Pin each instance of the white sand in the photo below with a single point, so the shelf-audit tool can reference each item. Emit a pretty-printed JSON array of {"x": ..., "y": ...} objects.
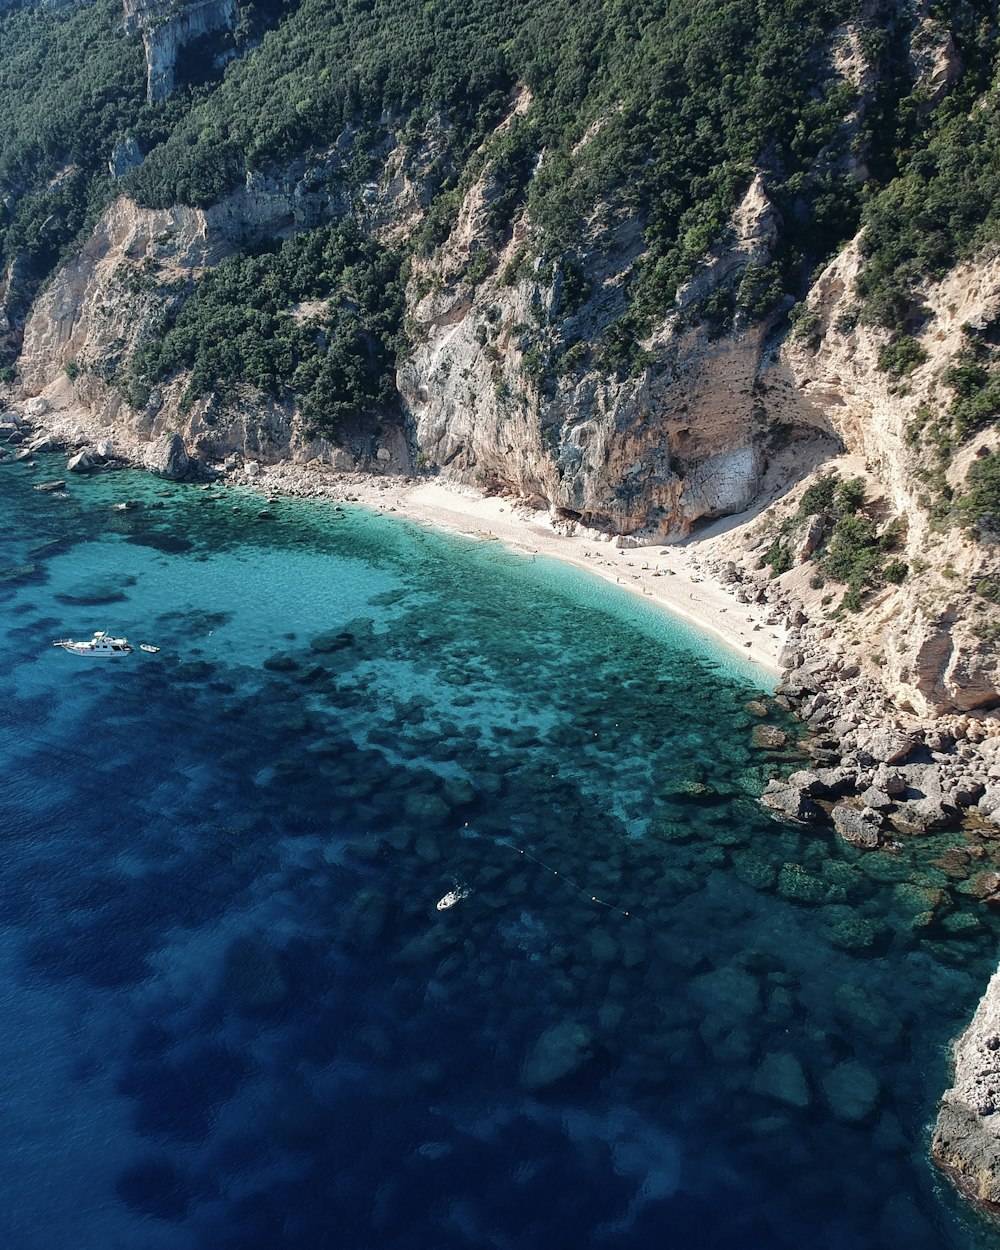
[{"x": 670, "y": 576}]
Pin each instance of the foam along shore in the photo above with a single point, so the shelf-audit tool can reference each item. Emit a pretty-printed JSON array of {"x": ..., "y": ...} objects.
[{"x": 676, "y": 577}]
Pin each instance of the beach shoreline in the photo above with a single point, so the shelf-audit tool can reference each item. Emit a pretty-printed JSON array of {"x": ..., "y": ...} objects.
[{"x": 672, "y": 577}]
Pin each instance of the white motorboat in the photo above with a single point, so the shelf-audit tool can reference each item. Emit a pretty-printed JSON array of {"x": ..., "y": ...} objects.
[
  {"x": 148, "y": 646},
  {"x": 101, "y": 646},
  {"x": 454, "y": 896}
]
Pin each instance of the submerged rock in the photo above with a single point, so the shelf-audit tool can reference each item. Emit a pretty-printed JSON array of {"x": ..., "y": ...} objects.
[
  {"x": 780, "y": 1076},
  {"x": 97, "y": 590},
  {"x": 769, "y": 737},
  {"x": 851, "y": 1091},
  {"x": 560, "y": 1051}
]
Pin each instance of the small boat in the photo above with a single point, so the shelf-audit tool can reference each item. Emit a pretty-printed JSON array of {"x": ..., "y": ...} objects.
[
  {"x": 101, "y": 646},
  {"x": 454, "y": 896},
  {"x": 145, "y": 646}
]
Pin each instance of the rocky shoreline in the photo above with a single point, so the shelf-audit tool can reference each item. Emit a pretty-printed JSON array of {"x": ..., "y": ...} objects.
[{"x": 875, "y": 772}]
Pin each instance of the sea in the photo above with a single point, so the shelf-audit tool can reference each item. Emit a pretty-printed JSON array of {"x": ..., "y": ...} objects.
[{"x": 233, "y": 1014}]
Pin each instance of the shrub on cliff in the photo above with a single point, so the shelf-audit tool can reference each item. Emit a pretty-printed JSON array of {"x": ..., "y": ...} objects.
[{"x": 979, "y": 506}]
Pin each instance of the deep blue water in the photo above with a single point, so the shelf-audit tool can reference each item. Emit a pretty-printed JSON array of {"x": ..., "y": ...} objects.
[{"x": 232, "y": 1016}]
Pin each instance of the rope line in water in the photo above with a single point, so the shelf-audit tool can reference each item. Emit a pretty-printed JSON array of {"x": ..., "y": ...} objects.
[
  {"x": 572, "y": 884},
  {"x": 593, "y": 898}
]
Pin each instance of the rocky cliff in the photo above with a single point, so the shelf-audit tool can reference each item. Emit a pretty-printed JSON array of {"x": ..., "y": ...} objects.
[{"x": 966, "y": 1141}]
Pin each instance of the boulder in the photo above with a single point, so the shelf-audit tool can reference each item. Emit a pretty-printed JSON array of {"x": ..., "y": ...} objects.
[
  {"x": 989, "y": 805},
  {"x": 858, "y": 826},
  {"x": 876, "y": 799},
  {"x": 834, "y": 783},
  {"x": 49, "y": 486},
  {"x": 82, "y": 462},
  {"x": 928, "y": 807},
  {"x": 167, "y": 457},
  {"x": 885, "y": 746},
  {"x": 808, "y": 782},
  {"x": 812, "y": 538},
  {"x": 888, "y": 780},
  {"x": 789, "y": 801}
]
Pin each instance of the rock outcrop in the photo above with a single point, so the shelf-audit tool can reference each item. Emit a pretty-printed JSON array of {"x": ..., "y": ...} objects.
[
  {"x": 966, "y": 1141},
  {"x": 167, "y": 27}
]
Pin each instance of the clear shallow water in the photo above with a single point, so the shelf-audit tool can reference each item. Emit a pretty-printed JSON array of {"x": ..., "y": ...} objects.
[{"x": 233, "y": 1016}]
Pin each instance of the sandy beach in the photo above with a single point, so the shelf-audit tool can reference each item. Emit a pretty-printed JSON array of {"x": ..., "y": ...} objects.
[{"x": 674, "y": 577}]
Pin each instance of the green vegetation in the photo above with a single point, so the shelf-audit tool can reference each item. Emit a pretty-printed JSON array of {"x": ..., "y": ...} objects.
[
  {"x": 974, "y": 378},
  {"x": 778, "y": 556},
  {"x": 989, "y": 588},
  {"x": 240, "y": 326},
  {"x": 944, "y": 200},
  {"x": 901, "y": 355},
  {"x": 979, "y": 506},
  {"x": 68, "y": 87},
  {"x": 855, "y": 548},
  {"x": 818, "y": 495},
  {"x": 852, "y": 548}
]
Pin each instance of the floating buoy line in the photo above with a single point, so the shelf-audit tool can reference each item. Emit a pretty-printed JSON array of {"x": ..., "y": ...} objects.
[{"x": 463, "y": 891}]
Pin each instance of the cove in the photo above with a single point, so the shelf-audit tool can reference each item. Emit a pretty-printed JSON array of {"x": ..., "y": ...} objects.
[{"x": 234, "y": 1016}]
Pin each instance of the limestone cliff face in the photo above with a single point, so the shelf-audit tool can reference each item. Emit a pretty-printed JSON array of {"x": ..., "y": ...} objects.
[
  {"x": 925, "y": 631},
  {"x": 167, "y": 28},
  {"x": 138, "y": 264},
  {"x": 649, "y": 455}
]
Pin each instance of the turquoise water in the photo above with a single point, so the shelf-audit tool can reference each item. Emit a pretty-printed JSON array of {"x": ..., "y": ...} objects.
[{"x": 235, "y": 1018}]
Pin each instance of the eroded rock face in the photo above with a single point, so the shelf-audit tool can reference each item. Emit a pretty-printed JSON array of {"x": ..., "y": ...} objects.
[
  {"x": 167, "y": 28},
  {"x": 966, "y": 1141}
]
